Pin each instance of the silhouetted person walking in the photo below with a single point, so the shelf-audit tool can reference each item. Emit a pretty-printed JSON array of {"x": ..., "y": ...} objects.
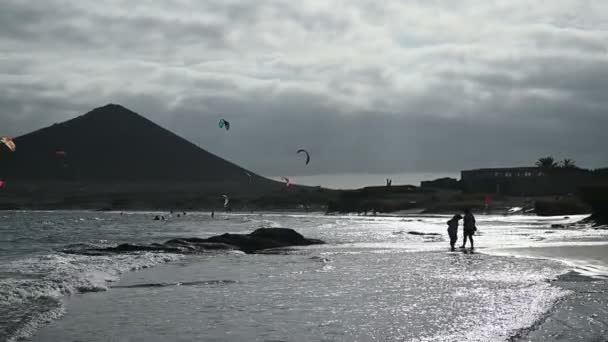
[
  {"x": 453, "y": 230},
  {"x": 469, "y": 228}
]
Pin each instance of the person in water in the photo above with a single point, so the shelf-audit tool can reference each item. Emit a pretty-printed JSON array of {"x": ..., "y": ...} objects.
[
  {"x": 453, "y": 230},
  {"x": 469, "y": 228}
]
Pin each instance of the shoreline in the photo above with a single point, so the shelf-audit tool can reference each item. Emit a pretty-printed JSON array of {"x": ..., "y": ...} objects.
[
  {"x": 585, "y": 303},
  {"x": 583, "y": 313},
  {"x": 590, "y": 258},
  {"x": 547, "y": 324}
]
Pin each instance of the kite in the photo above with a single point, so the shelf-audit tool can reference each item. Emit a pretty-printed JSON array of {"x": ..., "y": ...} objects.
[
  {"x": 226, "y": 201},
  {"x": 8, "y": 142},
  {"x": 61, "y": 153},
  {"x": 224, "y": 124},
  {"x": 1, "y": 184},
  {"x": 307, "y": 155},
  {"x": 287, "y": 182}
]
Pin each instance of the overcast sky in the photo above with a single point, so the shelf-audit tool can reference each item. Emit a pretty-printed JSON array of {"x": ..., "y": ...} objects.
[{"x": 366, "y": 86}]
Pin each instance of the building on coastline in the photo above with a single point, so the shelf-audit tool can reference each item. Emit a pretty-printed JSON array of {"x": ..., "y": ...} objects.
[
  {"x": 526, "y": 181},
  {"x": 442, "y": 183}
]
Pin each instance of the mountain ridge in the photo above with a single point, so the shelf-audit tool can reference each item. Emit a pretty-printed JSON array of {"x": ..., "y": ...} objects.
[{"x": 113, "y": 143}]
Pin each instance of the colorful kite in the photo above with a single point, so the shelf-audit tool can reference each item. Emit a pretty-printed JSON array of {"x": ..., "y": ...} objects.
[
  {"x": 224, "y": 124},
  {"x": 9, "y": 143}
]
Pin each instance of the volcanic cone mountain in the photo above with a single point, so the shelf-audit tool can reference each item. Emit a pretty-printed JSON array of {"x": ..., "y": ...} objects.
[{"x": 112, "y": 143}]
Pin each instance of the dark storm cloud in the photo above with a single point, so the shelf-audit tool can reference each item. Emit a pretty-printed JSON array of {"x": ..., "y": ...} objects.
[{"x": 364, "y": 86}]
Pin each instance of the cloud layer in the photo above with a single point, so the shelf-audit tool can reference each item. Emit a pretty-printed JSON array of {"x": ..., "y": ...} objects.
[{"x": 365, "y": 86}]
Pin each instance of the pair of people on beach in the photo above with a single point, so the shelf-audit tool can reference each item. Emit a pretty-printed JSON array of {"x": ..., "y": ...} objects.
[{"x": 468, "y": 231}]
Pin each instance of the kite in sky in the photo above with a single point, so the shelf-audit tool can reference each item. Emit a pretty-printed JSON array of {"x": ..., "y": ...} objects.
[
  {"x": 224, "y": 124},
  {"x": 307, "y": 155},
  {"x": 9, "y": 143}
]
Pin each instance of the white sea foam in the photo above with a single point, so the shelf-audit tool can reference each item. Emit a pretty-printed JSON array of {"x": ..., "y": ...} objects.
[
  {"x": 373, "y": 273},
  {"x": 55, "y": 275},
  {"x": 33, "y": 295}
]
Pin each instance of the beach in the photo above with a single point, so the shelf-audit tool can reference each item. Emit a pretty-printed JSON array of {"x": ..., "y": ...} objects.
[
  {"x": 583, "y": 314},
  {"x": 373, "y": 280}
]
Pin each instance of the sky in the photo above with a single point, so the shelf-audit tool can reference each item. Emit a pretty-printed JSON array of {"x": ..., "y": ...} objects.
[{"x": 368, "y": 87}]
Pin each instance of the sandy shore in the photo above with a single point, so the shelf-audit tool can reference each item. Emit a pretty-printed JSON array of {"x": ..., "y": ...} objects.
[
  {"x": 583, "y": 314},
  {"x": 588, "y": 259}
]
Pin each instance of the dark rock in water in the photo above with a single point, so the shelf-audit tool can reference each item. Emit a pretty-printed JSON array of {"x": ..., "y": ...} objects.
[
  {"x": 423, "y": 234},
  {"x": 320, "y": 259},
  {"x": 558, "y": 225},
  {"x": 198, "y": 245},
  {"x": 264, "y": 238},
  {"x": 261, "y": 239},
  {"x": 125, "y": 248}
]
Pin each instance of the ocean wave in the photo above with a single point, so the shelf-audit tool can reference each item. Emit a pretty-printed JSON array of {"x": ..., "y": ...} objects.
[
  {"x": 40, "y": 280},
  {"x": 26, "y": 319}
]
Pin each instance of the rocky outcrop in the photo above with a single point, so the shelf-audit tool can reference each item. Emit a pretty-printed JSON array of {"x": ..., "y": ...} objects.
[
  {"x": 560, "y": 207},
  {"x": 261, "y": 239},
  {"x": 264, "y": 238},
  {"x": 597, "y": 198}
]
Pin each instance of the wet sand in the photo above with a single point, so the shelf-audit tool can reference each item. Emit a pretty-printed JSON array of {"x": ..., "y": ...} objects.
[
  {"x": 580, "y": 316},
  {"x": 583, "y": 314},
  {"x": 587, "y": 259}
]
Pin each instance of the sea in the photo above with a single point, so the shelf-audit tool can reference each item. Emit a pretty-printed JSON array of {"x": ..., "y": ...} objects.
[{"x": 377, "y": 278}]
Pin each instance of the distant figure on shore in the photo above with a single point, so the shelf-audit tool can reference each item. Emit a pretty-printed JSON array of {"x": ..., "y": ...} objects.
[
  {"x": 469, "y": 228},
  {"x": 453, "y": 230},
  {"x": 212, "y": 214},
  {"x": 156, "y": 218}
]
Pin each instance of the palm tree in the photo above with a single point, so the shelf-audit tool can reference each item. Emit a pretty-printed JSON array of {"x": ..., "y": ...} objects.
[
  {"x": 568, "y": 164},
  {"x": 546, "y": 163}
]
